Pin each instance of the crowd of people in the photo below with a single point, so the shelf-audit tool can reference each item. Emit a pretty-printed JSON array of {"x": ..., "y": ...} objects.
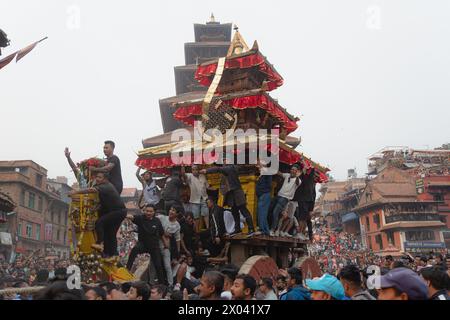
[
  {"x": 32, "y": 270},
  {"x": 334, "y": 250},
  {"x": 225, "y": 283},
  {"x": 187, "y": 239}
]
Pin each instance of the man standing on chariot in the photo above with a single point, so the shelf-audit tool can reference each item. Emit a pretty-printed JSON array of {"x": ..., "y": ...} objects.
[{"x": 111, "y": 214}]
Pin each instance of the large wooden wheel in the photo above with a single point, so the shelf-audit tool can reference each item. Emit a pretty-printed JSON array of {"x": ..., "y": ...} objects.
[
  {"x": 310, "y": 267},
  {"x": 260, "y": 266}
]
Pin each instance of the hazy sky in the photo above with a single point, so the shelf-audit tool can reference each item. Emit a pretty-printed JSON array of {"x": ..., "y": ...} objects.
[{"x": 361, "y": 74}]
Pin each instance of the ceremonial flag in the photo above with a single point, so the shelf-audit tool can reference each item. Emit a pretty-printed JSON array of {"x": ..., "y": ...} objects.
[
  {"x": 19, "y": 54},
  {"x": 23, "y": 52},
  {"x": 7, "y": 59}
]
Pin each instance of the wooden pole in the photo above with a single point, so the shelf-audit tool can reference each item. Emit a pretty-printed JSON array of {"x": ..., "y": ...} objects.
[{"x": 20, "y": 290}]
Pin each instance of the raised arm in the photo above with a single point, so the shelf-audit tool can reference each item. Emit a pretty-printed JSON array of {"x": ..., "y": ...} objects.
[
  {"x": 104, "y": 169},
  {"x": 71, "y": 163},
  {"x": 138, "y": 175}
]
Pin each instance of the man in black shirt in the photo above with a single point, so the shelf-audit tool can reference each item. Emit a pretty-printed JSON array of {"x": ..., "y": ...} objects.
[
  {"x": 171, "y": 193},
  {"x": 112, "y": 167},
  {"x": 149, "y": 232},
  {"x": 111, "y": 214},
  {"x": 305, "y": 195},
  {"x": 234, "y": 196},
  {"x": 187, "y": 233}
]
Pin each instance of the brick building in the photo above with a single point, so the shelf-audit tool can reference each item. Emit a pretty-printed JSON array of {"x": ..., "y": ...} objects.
[
  {"x": 38, "y": 207},
  {"x": 130, "y": 197},
  {"x": 336, "y": 203},
  {"x": 393, "y": 219},
  {"x": 7, "y": 206}
]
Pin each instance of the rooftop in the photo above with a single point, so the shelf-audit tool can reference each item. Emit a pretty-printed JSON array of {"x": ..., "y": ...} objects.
[{"x": 129, "y": 192}]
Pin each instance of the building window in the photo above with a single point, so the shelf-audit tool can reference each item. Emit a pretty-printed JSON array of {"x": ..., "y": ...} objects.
[
  {"x": 59, "y": 217},
  {"x": 19, "y": 229},
  {"x": 379, "y": 241},
  {"x": 65, "y": 236},
  {"x": 22, "y": 198},
  {"x": 29, "y": 230},
  {"x": 390, "y": 237},
  {"x": 57, "y": 235},
  {"x": 376, "y": 220},
  {"x": 31, "y": 198},
  {"x": 39, "y": 180},
  {"x": 438, "y": 197},
  {"x": 368, "y": 223},
  {"x": 38, "y": 232},
  {"x": 370, "y": 242},
  {"x": 40, "y": 204},
  {"x": 419, "y": 235}
]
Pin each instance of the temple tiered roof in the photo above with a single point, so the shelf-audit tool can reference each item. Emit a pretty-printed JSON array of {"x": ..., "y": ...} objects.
[{"x": 237, "y": 87}]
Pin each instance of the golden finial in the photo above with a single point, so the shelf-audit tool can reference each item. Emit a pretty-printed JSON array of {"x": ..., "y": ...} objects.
[
  {"x": 238, "y": 44},
  {"x": 212, "y": 19}
]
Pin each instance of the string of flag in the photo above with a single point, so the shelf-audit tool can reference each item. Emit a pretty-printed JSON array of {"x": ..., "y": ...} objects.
[{"x": 19, "y": 54}]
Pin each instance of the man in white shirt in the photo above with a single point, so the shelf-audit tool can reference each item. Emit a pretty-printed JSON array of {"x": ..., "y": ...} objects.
[
  {"x": 150, "y": 191},
  {"x": 171, "y": 235},
  {"x": 198, "y": 184},
  {"x": 290, "y": 184}
]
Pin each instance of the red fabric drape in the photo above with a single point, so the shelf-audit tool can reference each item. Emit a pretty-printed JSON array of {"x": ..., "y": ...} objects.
[
  {"x": 163, "y": 164},
  {"x": 204, "y": 72},
  {"x": 187, "y": 114}
]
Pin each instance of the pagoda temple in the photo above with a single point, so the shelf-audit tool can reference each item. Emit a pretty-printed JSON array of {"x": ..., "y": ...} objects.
[{"x": 225, "y": 85}]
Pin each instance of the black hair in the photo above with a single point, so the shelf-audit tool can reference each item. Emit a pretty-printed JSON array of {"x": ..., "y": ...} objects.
[
  {"x": 268, "y": 282},
  {"x": 149, "y": 205},
  {"x": 282, "y": 278},
  {"x": 389, "y": 257},
  {"x": 189, "y": 214},
  {"x": 111, "y": 143},
  {"x": 142, "y": 289},
  {"x": 424, "y": 259},
  {"x": 105, "y": 174},
  {"x": 230, "y": 271},
  {"x": 161, "y": 289},
  {"x": 59, "y": 291},
  {"x": 42, "y": 276},
  {"x": 439, "y": 278},
  {"x": 216, "y": 279},
  {"x": 248, "y": 281},
  {"x": 99, "y": 291},
  {"x": 108, "y": 286},
  {"x": 177, "y": 208},
  {"x": 296, "y": 274},
  {"x": 125, "y": 287},
  {"x": 176, "y": 295},
  {"x": 352, "y": 274}
]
